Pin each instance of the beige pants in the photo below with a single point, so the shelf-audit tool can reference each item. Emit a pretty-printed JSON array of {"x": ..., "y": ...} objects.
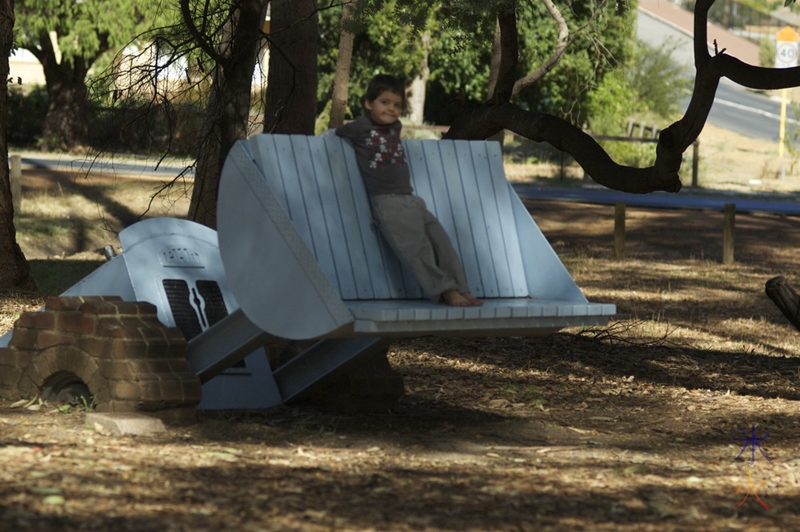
[{"x": 420, "y": 242}]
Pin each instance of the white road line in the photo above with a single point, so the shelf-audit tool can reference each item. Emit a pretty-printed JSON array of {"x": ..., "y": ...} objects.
[{"x": 741, "y": 107}]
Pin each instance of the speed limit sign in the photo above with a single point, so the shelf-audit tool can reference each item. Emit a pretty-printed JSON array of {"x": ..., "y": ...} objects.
[{"x": 786, "y": 48}]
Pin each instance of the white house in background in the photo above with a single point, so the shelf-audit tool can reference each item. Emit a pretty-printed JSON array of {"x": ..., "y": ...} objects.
[{"x": 25, "y": 68}]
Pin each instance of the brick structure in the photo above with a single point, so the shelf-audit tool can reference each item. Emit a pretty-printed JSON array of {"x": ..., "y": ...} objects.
[
  {"x": 367, "y": 384},
  {"x": 120, "y": 350}
]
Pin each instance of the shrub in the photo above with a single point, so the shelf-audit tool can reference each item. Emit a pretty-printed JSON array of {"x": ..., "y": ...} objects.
[{"x": 26, "y": 112}]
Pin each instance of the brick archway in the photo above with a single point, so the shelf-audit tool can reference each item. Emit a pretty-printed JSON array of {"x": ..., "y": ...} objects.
[
  {"x": 120, "y": 350},
  {"x": 61, "y": 359}
]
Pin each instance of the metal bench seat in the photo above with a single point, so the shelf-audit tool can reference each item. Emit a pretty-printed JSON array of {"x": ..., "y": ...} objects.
[{"x": 304, "y": 260}]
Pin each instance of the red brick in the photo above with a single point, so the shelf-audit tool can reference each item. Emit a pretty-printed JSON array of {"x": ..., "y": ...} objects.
[
  {"x": 157, "y": 365},
  {"x": 23, "y": 338},
  {"x": 126, "y": 390},
  {"x": 9, "y": 377},
  {"x": 120, "y": 308},
  {"x": 81, "y": 364},
  {"x": 142, "y": 309},
  {"x": 12, "y": 356},
  {"x": 103, "y": 305},
  {"x": 174, "y": 390},
  {"x": 43, "y": 367},
  {"x": 99, "y": 307},
  {"x": 151, "y": 389},
  {"x": 180, "y": 366},
  {"x": 150, "y": 332},
  {"x": 112, "y": 329},
  {"x": 31, "y": 378},
  {"x": 174, "y": 335},
  {"x": 27, "y": 387},
  {"x": 97, "y": 383},
  {"x": 47, "y": 339},
  {"x": 58, "y": 359},
  {"x": 130, "y": 350},
  {"x": 115, "y": 405},
  {"x": 93, "y": 346},
  {"x": 116, "y": 369},
  {"x": 71, "y": 360},
  {"x": 90, "y": 372},
  {"x": 63, "y": 303},
  {"x": 36, "y": 320},
  {"x": 157, "y": 350},
  {"x": 151, "y": 405},
  {"x": 76, "y": 322}
]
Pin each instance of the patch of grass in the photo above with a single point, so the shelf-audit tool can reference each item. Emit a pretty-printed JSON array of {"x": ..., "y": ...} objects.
[
  {"x": 46, "y": 227},
  {"x": 55, "y": 276}
]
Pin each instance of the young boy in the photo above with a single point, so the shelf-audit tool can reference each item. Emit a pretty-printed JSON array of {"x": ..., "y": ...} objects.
[{"x": 413, "y": 233}]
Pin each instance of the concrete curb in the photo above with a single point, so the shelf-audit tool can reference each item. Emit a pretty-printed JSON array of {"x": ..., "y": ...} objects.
[{"x": 125, "y": 423}]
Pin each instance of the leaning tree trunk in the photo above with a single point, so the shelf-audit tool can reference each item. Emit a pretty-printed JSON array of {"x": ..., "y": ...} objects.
[
  {"x": 14, "y": 269},
  {"x": 342, "y": 77},
  {"x": 228, "y": 111},
  {"x": 785, "y": 298},
  {"x": 291, "y": 99},
  {"x": 416, "y": 93}
]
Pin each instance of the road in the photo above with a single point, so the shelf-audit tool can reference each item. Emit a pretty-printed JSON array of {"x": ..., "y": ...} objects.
[
  {"x": 750, "y": 113},
  {"x": 126, "y": 166}
]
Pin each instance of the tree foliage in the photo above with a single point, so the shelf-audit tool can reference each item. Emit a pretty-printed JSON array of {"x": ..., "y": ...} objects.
[
  {"x": 462, "y": 33},
  {"x": 601, "y": 40},
  {"x": 68, "y": 38}
]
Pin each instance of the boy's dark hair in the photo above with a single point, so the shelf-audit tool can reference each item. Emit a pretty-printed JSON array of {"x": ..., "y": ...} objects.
[{"x": 382, "y": 83}]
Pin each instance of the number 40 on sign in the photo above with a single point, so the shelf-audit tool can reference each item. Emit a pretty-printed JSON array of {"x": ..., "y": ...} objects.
[{"x": 785, "y": 57}]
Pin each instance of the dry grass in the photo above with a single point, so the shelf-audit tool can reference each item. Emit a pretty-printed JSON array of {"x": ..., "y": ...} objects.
[{"x": 626, "y": 428}]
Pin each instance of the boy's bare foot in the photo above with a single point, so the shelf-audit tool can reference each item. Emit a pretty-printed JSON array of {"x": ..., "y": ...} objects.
[
  {"x": 454, "y": 299},
  {"x": 473, "y": 301}
]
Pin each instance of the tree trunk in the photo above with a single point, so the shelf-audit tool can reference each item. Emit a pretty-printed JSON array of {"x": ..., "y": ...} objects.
[
  {"x": 509, "y": 54},
  {"x": 64, "y": 125},
  {"x": 291, "y": 98},
  {"x": 340, "y": 82},
  {"x": 494, "y": 64},
  {"x": 14, "y": 269},
  {"x": 416, "y": 93},
  {"x": 228, "y": 110}
]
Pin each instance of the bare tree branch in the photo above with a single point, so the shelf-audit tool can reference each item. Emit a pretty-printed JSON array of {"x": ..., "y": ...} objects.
[
  {"x": 199, "y": 35},
  {"x": 509, "y": 56},
  {"x": 487, "y": 120},
  {"x": 673, "y": 141},
  {"x": 552, "y": 61}
]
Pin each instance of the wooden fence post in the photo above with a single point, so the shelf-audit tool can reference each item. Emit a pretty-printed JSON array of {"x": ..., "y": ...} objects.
[
  {"x": 695, "y": 162},
  {"x": 16, "y": 183},
  {"x": 619, "y": 230},
  {"x": 727, "y": 235}
]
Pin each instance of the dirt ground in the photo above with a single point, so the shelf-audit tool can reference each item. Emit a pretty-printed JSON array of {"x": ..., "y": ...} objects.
[{"x": 650, "y": 423}]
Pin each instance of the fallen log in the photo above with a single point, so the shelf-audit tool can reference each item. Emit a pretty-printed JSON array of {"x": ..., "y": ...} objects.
[{"x": 785, "y": 298}]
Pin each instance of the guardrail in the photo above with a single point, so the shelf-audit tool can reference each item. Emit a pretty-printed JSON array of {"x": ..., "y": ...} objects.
[{"x": 729, "y": 211}]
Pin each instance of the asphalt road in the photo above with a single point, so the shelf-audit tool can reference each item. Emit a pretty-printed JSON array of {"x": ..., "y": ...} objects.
[
  {"x": 150, "y": 166},
  {"x": 749, "y": 113}
]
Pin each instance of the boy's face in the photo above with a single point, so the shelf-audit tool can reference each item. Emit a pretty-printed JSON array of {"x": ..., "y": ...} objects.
[{"x": 386, "y": 108}]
